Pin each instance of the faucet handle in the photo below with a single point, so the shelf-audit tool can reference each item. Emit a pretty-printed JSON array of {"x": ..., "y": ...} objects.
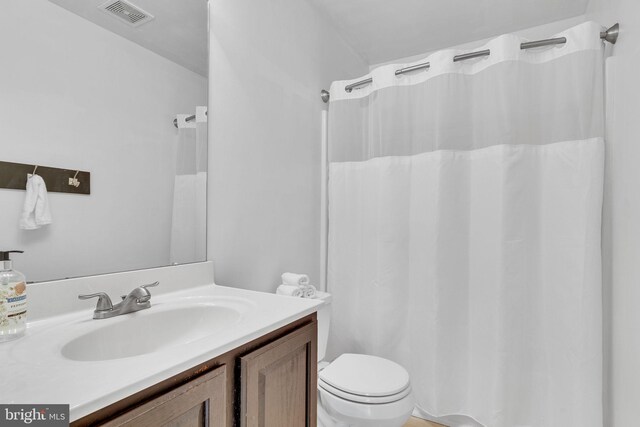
[
  {"x": 150, "y": 285},
  {"x": 104, "y": 302},
  {"x": 147, "y": 297}
]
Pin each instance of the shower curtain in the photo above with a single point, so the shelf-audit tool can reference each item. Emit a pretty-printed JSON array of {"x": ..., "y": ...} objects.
[
  {"x": 188, "y": 225},
  {"x": 464, "y": 229}
]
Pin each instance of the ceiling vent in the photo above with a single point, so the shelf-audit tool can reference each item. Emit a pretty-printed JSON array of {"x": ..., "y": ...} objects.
[{"x": 127, "y": 12}]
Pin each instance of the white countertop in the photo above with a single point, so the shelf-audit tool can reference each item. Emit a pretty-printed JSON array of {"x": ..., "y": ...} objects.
[{"x": 34, "y": 370}]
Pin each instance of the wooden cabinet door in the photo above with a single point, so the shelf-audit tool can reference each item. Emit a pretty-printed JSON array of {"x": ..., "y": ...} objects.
[
  {"x": 199, "y": 403},
  {"x": 278, "y": 382}
]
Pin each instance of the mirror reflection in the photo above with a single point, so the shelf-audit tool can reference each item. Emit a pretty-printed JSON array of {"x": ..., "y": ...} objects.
[{"x": 118, "y": 90}]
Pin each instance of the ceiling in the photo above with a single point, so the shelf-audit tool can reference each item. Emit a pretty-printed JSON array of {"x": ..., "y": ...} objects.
[
  {"x": 378, "y": 30},
  {"x": 384, "y": 30},
  {"x": 178, "y": 32}
]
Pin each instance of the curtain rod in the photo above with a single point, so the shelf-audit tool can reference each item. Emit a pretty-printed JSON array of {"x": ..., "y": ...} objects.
[
  {"x": 188, "y": 119},
  {"x": 610, "y": 35}
]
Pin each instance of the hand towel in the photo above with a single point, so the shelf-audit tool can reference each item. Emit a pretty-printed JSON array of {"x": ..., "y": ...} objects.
[
  {"x": 295, "y": 279},
  {"x": 308, "y": 291},
  {"x": 289, "y": 290},
  {"x": 35, "y": 212}
]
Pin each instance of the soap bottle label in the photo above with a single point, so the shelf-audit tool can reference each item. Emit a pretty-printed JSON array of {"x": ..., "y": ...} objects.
[{"x": 13, "y": 304}]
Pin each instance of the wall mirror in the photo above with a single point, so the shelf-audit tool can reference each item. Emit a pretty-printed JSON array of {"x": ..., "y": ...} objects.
[{"x": 118, "y": 89}]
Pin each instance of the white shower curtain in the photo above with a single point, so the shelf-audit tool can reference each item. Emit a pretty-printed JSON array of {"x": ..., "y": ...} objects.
[
  {"x": 188, "y": 225},
  {"x": 464, "y": 229}
]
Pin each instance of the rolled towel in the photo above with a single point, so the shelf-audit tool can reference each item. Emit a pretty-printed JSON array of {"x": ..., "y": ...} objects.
[
  {"x": 295, "y": 279},
  {"x": 289, "y": 290},
  {"x": 308, "y": 291}
]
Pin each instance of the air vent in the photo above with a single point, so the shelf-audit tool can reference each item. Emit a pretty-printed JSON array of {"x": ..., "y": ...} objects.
[{"x": 126, "y": 12}]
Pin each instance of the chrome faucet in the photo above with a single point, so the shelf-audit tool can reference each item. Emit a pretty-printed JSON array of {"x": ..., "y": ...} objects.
[{"x": 138, "y": 299}]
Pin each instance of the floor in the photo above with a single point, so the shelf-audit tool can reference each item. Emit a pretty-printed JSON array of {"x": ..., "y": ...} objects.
[{"x": 417, "y": 422}]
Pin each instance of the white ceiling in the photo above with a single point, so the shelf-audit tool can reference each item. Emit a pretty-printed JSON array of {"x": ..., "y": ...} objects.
[
  {"x": 384, "y": 30},
  {"x": 378, "y": 30},
  {"x": 178, "y": 32}
]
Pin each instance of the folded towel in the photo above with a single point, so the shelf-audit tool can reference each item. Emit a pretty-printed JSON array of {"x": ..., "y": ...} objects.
[
  {"x": 308, "y": 291},
  {"x": 295, "y": 279},
  {"x": 289, "y": 290},
  {"x": 35, "y": 212}
]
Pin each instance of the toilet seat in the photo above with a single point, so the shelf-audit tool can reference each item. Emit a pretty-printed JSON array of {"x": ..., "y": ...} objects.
[
  {"x": 365, "y": 379},
  {"x": 357, "y": 398}
]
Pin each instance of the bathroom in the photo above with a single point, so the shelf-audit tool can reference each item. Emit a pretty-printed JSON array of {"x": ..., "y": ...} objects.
[{"x": 459, "y": 195}]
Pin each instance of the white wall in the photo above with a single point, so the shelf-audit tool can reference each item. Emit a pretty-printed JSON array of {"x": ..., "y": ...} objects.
[
  {"x": 621, "y": 236},
  {"x": 269, "y": 61},
  {"x": 75, "y": 96}
]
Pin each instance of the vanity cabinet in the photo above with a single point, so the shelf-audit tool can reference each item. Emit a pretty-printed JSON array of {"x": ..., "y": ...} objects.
[{"x": 268, "y": 382}]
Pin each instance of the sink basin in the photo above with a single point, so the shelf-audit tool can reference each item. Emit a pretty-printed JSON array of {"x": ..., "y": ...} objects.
[{"x": 150, "y": 331}]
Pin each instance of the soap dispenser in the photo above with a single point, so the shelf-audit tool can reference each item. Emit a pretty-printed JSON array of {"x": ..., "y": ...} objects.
[{"x": 13, "y": 299}]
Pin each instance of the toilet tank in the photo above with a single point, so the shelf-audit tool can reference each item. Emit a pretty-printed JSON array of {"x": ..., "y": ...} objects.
[{"x": 324, "y": 319}]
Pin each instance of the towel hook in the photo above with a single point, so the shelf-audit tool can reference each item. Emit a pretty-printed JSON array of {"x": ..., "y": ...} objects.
[
  {"x": 74, "y": 181},
  {"x": 34, "y": 170}
]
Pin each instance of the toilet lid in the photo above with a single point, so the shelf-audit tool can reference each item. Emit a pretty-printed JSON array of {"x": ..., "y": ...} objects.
[{"x": 365, "y": 375}]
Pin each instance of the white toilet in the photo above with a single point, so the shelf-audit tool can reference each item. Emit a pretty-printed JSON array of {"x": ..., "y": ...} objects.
[{"x": 357, "y": 389}]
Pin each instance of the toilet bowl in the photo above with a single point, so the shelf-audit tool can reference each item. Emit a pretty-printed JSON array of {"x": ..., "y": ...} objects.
[{"x": 359, "y": 390}]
